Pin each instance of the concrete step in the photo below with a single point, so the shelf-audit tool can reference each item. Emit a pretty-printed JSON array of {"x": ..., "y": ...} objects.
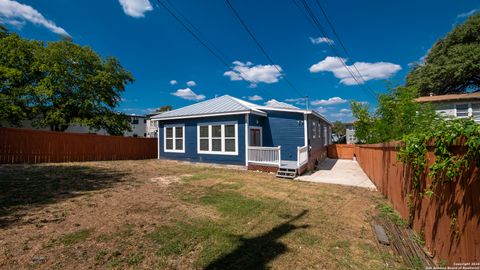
[{"x": 287, "y": 173}]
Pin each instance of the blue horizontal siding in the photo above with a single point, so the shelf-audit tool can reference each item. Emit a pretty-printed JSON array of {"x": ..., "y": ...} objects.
[
  {"x": 191, "y": 141},
  {"x": 284, "y": 129},
  {"x": 317, "y": 142}
]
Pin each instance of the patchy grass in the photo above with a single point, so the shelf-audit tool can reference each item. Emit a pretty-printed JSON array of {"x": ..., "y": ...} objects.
[
  {"x": 233, "y": 204},
  {"x": 170, "y": 215},
  {"x": 387, "y": 211},
  {"x": 75, "y": 237}
]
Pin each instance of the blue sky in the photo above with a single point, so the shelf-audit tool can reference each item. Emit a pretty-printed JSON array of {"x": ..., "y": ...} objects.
[{"x": 171, "y": 67}]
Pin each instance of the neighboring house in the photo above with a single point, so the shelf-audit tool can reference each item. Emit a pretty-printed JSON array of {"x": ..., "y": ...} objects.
[
  {"x": 280, "y": 138},
  {"x": 350, "y": 133},
  {"x": 152, "y": 126},
  {"x": 455, "y": 105},
  {"x": 137, "y": 122}
]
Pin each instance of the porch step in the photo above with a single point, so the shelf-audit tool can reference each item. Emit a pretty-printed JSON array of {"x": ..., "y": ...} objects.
[{"x": 287, "y": 173}]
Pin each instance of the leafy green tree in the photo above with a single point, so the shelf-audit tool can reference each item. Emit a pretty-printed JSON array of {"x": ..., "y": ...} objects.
[
  {"x": 452, "y": 64},
  {"x": 339, "y": 128},
  {"x": 164, "y": 108},
  {"x": 78, "y": 86},
  {"x": 397, "y": 114},
  {"x": 17, "y": 76}
]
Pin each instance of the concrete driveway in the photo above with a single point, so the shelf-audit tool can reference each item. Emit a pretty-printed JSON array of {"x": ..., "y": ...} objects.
[{"x": 341, "y": 172}]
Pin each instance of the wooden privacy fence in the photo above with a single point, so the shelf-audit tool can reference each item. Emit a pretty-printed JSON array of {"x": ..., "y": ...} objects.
[
  {"x": 449, "y": 221},
  {"x": 33, "y": 146},
  {"x": 340, "y": 151}
]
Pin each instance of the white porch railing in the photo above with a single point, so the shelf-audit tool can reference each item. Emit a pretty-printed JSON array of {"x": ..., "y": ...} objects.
[
  {"x": 264, "y": 155},
  {"x": 302, "y": 155}
]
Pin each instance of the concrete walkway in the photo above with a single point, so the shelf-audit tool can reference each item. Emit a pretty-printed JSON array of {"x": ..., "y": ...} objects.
[{"x": 341, "y": 172}]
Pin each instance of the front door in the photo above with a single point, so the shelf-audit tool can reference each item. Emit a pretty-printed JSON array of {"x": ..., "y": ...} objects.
[{"x": 255, "y": 136}]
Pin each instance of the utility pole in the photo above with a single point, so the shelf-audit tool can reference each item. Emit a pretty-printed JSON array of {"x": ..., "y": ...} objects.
[{"x": 306, "y": 102}]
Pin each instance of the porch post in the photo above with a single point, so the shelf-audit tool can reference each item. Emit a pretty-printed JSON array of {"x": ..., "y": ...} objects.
[
  {"x": 305, "y": 129},
  {"x": 246, "y": 138},
  {"x": 279, "y": 156}
]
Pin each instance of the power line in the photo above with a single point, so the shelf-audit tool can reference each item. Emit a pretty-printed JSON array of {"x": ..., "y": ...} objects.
[
  {"x": 313, "y": 18},
  {"x": 340, "y": 41},
  {"x": 242, "y": 22},
  {"x": 204, "y": 43}
]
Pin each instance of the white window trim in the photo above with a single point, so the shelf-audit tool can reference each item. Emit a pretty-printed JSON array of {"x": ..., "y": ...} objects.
[
  {"x": 261, "y": 134},
  {"x": 174, "y": 139},
  {"x": 222, "y": 152}
]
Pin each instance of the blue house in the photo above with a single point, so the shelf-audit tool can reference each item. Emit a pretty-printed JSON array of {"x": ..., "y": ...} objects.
[{"x": 277, "y": 138}]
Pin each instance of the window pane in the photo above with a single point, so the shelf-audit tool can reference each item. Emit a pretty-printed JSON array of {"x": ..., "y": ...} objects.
[
  {"x": 179, "y": 144},
  {"x": 229, "y": 145},
  {"x": 203, "y": 144},
  {"x": 204, "y": 131},
  {"x": 217, "y": 131},
  {"x": 462, "y": 110},
  {"x": 169, "y": 132},
  {"x": 178, "y": 132},
  {"x": 216, "y": 145},
  {"x": 229, "y": 130},
  {"x": 169, "y": 144}
]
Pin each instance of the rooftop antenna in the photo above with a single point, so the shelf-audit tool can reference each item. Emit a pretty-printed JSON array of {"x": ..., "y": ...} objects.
[{"x": 306, "y": 102}]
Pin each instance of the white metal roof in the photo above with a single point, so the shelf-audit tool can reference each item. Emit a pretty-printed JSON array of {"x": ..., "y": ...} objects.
[{"x": 228, "y": 105}]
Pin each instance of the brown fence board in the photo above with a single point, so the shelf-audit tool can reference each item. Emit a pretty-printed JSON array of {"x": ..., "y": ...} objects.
[
  {"x": 340, "y": 151},
  {"x": 449, "y": 220},
  {"x": 34, "y": 146}
]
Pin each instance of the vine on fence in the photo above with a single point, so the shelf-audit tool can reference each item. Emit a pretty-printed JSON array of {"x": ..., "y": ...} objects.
[{"x": 448, "y": 164}]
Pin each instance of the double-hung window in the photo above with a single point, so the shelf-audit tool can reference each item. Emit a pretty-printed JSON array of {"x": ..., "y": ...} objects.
[
  {"x": 325, "y": 135},
  {"x": 462, "y": 110},
  {"x": 174, "y": 138},
  {"x": 314, "y": 129},
  {"x": 218, "y": 138}
]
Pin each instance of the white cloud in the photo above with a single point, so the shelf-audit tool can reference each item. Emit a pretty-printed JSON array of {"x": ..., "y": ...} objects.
[
  {"x": 16, "y": 14},
  {"x": 467, "y": 14},
  {"x": 330, "y": 101},
  {"x": 191, "y": 83},
  {"x": 298, "y": 101},
  {"x": 254, "y": 74},
  {"x": 188, "y": 94},
  {"x": 173, "y": 82},
  {"x": 321, "y": 109},
  {"x": 369, "y": 71},
  {"x": 345, "y": 110},
  {"x": 320, "y": 40},
  {"x": 136, "y": 8},
  {"x": 255, "y": 98}
]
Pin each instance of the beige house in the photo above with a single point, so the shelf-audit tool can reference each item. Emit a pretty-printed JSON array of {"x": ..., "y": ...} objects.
[{"x": 455, "y": 105}]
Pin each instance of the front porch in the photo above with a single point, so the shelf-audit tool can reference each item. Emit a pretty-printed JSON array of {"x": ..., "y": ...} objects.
[{"x": 270, "y": 159}]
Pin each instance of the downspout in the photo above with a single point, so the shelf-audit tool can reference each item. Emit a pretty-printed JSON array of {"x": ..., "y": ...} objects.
[
  {"x": 158, "y": 139},
  {"x": 247, "y": 119}
]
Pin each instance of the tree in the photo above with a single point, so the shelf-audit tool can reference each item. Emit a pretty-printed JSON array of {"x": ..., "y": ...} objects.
[
  {"x": 78, "y": 86},
  {"x": 17, "y": 76},
  {"x": 164, "y": 108},
  {"x": 453, "y": 64},
  {"x": 339, "y": 128},
  {"x": 397, "y": 115}
]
